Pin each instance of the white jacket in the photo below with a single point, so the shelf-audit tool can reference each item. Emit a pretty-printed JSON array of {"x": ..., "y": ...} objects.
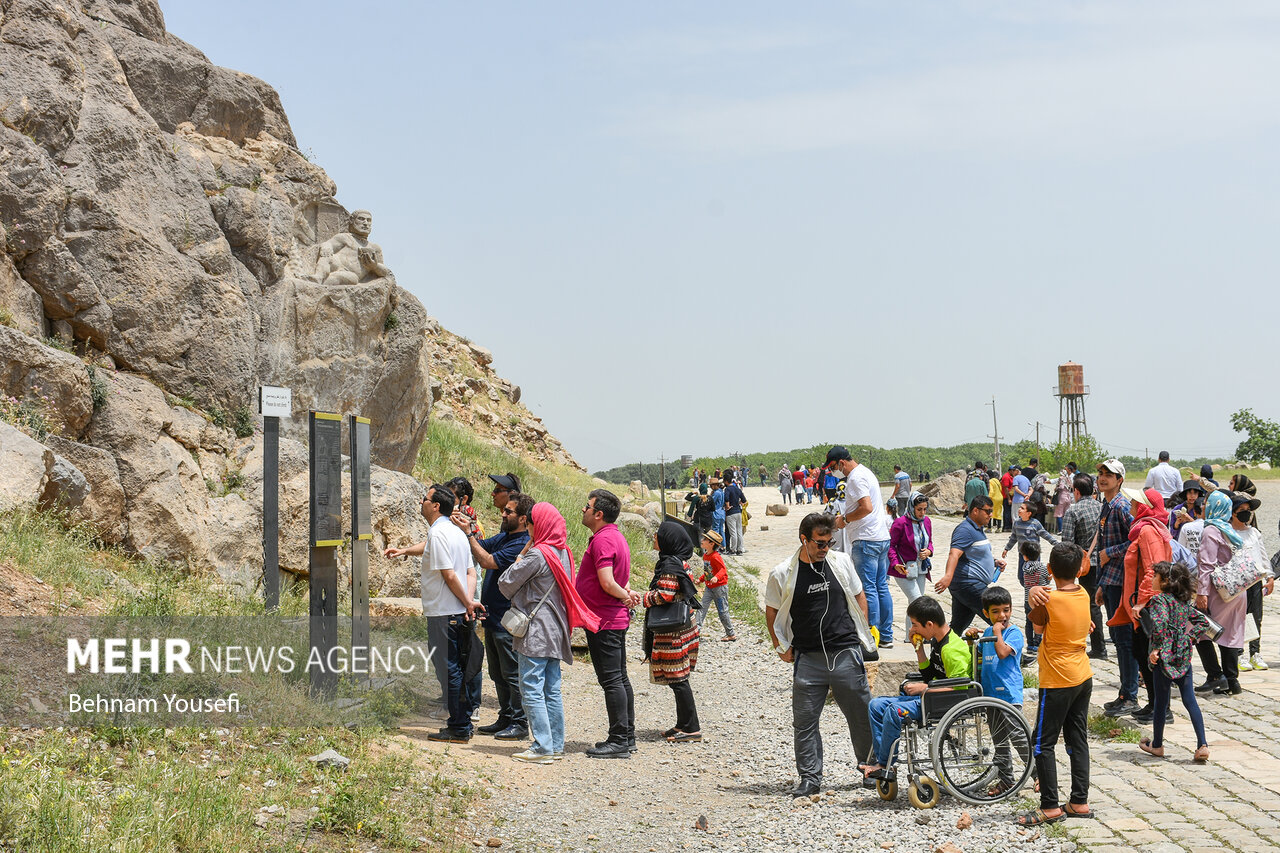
[{"x": 781, "y": 586}]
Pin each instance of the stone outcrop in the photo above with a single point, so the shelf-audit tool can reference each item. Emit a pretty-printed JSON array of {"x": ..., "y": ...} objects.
[
  {"x": 165, "y": 249},
  {"x": 946, "y": 494},
  {"x": 467, "y": 390},
  {"x": 157, "y": 207}
]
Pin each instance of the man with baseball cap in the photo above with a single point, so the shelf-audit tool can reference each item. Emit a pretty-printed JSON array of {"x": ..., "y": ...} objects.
[
  {"x": 1110, "y": 546},
  {"x": 866, "y": 527}
]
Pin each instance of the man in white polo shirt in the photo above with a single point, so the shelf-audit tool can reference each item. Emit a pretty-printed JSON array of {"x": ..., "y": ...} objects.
[
  {"x": 866, "y": 528},
  {"x": 448, "y": 603},
  {"x": 1164, "y": 478}
]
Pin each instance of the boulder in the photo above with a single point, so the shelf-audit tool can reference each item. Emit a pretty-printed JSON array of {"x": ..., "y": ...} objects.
[
  {"x": 103, "y": 507},
  {"x": 776, "y": 509},
  {"x": 390, "y": 612},
  {"x": 638, "y": 489},
  {"x": 24, "y": 468},
  {"x": 481, "y": 355},
  {"x": 945, "y": 494},
  {"x": 629, "y": 521},
  {"x": 56, "y": 382}
]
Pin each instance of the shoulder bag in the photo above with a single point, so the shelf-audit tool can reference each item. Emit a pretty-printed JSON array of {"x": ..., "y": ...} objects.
[
  {"x": 676, "y": 615},
  {"x": 516, "y": 621},
  {"x": 1239, "y": 573}
]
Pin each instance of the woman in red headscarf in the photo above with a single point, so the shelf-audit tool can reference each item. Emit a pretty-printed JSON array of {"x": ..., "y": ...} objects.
[
  {"x": 1148, "y": 545},
  {"x": 540, "y": 584}
]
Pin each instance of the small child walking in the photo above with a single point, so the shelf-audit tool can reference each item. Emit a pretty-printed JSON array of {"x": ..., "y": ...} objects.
[
  {"x": 716, "y": 579},
  {"x": 1026, "y": 529},
  {"x": 1066, "y": 683},
  {"x": 1174, "y": 626},
  {"x": 1033, "y": 573}
]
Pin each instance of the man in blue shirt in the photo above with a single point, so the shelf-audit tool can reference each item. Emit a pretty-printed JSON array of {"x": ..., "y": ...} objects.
[
  {"x": 1021, "y": 490},
  {"x": 971, "y": 565},
  {"x": 495, "y": 555}
]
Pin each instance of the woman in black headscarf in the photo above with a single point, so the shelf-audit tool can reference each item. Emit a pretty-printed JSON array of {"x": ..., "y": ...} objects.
[
  {"x": 673, "y": 654},
  {"x": 1253, "y": 595}
]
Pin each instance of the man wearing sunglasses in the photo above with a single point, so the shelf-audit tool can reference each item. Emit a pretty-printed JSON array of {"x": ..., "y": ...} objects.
[{"x": 816, "y": 613}]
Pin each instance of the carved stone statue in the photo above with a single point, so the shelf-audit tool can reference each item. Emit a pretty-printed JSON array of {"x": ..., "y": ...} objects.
[{"x": 348, "y": 257}]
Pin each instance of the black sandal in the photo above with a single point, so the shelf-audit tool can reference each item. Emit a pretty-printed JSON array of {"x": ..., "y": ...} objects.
[{"x": 1036, "y": 817}]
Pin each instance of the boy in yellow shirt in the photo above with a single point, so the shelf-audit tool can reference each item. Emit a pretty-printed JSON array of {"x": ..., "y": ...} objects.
[{"x": 1066, "y": 682}]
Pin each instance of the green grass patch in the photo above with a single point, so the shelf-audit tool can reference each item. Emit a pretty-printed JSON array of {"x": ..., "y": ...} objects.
[
  {"x": 1030, "y": 679},
  {"x": 744, "y": 603},
  {"x": 1112, "y": 729},
  {"x": 198, "y": 790}
]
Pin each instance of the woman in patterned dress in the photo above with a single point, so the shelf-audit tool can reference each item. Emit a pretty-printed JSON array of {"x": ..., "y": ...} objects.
[{"x": 672, "y": 656}]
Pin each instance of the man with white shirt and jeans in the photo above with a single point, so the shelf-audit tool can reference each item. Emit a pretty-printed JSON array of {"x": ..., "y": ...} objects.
[
  {"x": 448, "y": 599},
  {"x": 866, "y": 527},
  {"x": 1164, "y": 478},
  {"x": 815, "y": 611}
]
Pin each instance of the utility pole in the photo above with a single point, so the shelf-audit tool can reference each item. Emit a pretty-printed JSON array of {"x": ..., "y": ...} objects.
[
  {"x": 1037, "y": 425},
  {"x": 995, "y": 436},
  {"x": 662, "y": 484}
]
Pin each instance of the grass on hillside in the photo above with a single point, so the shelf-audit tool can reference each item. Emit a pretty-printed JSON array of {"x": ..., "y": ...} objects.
[
  {"x": 452, "y": 450},
  {"x": 199, "y": 788}
]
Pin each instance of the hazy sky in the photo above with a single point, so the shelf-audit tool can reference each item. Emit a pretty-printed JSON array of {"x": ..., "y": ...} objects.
[{"x": 714, "y": 227}]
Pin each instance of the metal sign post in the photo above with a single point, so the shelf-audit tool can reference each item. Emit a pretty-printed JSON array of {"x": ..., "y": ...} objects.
[
  {"x": 361, "y": 533},
  {"x": 325, "y": 446},
  {"x": 273, "y": 404}
]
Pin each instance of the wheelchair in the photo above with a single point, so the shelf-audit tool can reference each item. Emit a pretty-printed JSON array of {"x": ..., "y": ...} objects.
[{"x": 975, "y": 748}]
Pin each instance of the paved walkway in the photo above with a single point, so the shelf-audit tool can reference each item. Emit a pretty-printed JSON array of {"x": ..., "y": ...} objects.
[{"x": 1143, "y": 803}]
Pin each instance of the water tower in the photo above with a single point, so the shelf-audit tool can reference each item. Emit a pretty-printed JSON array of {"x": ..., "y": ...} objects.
[{"x": 1071, "y": 392}]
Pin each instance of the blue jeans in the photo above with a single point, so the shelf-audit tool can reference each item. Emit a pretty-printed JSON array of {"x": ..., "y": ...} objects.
[
  {"x": 462, "y": 698},
  {"x": 871, "y": 559},
  {"x": 540, "y": 692},
  {"x": 1122, "y": 636},
  {"x": 886, "y": 722}
]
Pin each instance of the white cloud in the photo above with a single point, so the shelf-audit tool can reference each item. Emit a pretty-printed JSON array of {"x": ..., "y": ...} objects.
[{"x": 1096, "y": 100}]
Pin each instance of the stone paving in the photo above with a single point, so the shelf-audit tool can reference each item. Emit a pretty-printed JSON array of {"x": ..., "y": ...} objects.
[
  {"x": 1146, "y": 803},
  {"x": 1170, "y": 804}
]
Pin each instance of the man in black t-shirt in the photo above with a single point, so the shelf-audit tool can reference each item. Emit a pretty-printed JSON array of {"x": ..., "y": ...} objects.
[{"x": 816, "y": 613}]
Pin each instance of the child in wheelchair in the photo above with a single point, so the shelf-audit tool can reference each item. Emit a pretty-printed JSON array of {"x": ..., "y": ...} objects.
[{"x": 950, "y": 658}]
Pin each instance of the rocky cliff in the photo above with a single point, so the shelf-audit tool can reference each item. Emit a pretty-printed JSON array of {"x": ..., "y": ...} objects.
[{"x": 166, "y": 250}]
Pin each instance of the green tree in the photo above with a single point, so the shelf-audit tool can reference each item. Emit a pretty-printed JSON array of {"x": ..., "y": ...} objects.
[{"x": 1263, "y": 442}]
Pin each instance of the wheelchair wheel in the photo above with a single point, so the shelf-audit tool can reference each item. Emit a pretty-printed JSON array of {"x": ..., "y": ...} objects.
[
  {"x": 924, "y": 793},
  {"x": 887, "y": 790},
  {"x": 981, "y": 751}
]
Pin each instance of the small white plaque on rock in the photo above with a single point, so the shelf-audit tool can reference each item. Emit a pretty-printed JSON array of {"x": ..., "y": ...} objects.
[{"x": 275, "y": 402}]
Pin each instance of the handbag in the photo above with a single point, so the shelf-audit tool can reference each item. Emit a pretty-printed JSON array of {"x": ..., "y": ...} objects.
[
  {"x": 516, "y": 621},
  {"x": 1239, "y": 573},
  {"x": 675, "y": 615}
]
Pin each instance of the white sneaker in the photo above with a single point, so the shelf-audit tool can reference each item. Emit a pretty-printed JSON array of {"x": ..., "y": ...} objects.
[
  {"x": 1258, "y": 663},
  {"x": 1245, "y": 665},
  {"x": 531, "y": 757}
]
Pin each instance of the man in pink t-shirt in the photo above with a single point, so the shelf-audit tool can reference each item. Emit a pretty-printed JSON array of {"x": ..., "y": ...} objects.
[{"x": 602, "y": 582}]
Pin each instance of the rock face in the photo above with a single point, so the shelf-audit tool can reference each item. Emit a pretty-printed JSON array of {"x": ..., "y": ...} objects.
[
  {"x": 157, "y": 208},
  {"x": 165, "y": 249}
]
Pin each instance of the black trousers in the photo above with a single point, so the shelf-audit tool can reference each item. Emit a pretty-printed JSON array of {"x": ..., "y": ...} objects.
[
  {"x": 1008, "y": 515},
  {"x": 1097, "y": 645},
  {"x": 1141, "y": 653},
  {"x": 686, "y": 710},
  {"x": 504, "y": 672},
  {"x": 608, "y": 650},
  {"x": 1063, "y": 711},
  {"x": 1230, "y": 666},
  {"x": 1253, "y": 601}
]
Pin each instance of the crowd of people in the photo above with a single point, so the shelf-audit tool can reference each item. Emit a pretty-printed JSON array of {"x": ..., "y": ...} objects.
[
  {"x": 532, "y": 598},
  {"x": 1174, "y": 568}
]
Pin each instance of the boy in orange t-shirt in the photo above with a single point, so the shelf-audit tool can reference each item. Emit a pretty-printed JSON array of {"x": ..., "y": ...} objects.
[{"x": 1066, "y": 683}]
